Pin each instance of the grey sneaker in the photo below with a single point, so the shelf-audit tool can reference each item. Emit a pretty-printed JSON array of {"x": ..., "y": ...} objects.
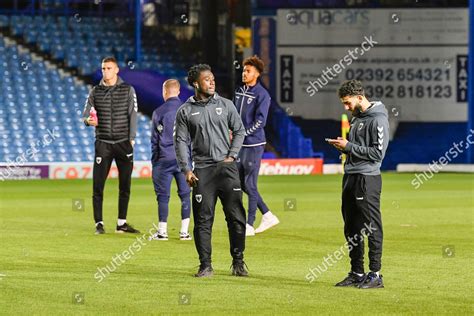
[
  {"x": 204, "y": 271},
  {"x": 239, "y": 268}
]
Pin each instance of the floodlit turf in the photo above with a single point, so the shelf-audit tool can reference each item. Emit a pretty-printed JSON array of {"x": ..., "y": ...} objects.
[{"x": 49, "y": 254}]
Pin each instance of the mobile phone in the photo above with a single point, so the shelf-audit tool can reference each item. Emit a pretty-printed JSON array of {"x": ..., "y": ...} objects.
[{"x": 327, "y": 139}]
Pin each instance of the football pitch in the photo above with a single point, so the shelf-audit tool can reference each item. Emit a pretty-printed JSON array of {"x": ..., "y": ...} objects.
[{"x": 50, "y": 256}]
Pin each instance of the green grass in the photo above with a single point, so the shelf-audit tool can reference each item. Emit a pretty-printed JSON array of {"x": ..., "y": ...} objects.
[{"x": 49, "y": 252}]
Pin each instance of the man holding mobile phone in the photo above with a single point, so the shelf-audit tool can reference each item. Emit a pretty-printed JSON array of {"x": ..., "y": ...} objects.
[
  {"x": 206, "y": 119},
  {"x": 113, "y": 104},
  {"x": 362, "y": 183}
]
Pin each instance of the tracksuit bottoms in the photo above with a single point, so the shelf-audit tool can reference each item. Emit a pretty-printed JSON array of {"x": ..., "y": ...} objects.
[
  {"x": 361, "y": 214},
  {"x": 249, "y": 167},
  {"x": 163, "y": 173},
  {"x": 220, "y": 180},
  {"x": 105, "y": 153}
]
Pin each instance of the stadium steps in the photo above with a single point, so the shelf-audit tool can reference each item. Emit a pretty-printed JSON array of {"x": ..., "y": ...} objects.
[
  {"x": 318, "y": 130},
  {"x": 38, "y": 97},
  {"x": 77, "y": 44},
  {"x": 50, "y": 62},
  {"x": 423, "y": 143}
]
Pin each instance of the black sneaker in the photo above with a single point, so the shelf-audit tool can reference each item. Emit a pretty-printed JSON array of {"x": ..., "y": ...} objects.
[
  {"x": 99, "y": 229},
  {"x": 372, "y": 281},
  {"x": 204, "y": 271},
  {"x": 239, "y": 268},
  {"x": 352, "y": 279},
  {"x": 126, "y": 228}
]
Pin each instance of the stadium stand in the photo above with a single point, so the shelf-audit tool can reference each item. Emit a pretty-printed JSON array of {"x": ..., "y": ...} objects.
[
  {"x": 75, "y": 44},
  {"x": 46, "y": 98},
  {"x": 76, "y": 41},
  {"x": 53, "y": 49}
]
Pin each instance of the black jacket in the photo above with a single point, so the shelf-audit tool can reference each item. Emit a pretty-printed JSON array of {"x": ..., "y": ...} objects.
[{"x": 116, "y": 108}]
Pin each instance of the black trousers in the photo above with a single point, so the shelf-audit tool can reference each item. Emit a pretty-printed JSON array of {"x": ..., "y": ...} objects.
[
  {"x": 104, "y": 155},
  {"x": 361, "y": 213},
  {"x": 220, "y": 180}
]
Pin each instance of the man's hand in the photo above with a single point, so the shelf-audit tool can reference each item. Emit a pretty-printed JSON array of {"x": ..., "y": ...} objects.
[
  {"x": 91, "y": 121},
  {"x": 339, "y": 143},
  {"x": 229, "y": 159},
  {"x": 132, "y": 142},
  {"x": 191, "y": 178}
]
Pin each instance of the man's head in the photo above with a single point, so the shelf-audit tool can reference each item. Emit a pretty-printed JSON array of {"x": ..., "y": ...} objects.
[
  {"x": 110, "y": 69},
  {"x": 200, "y": 77},
  {"x": 253, "y": 67},
  {"x": 352, "y": 95},
  {"x": 170, "y": 89}
]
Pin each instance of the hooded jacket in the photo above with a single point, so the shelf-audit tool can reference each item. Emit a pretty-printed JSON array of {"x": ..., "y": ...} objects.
[{"x": 367, "y": 141}]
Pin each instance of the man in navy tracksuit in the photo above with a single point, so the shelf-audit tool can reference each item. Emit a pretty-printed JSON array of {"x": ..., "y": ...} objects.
[
  {"x": 253, "y": 102},
  {"x": 165, "y": 166}
]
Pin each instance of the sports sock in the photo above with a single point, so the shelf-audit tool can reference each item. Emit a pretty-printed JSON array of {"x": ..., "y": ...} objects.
[
  {"x": 120, "y": 222},
  {"x": 184, "y": 225},
  {"x": 162, "y": 227}
]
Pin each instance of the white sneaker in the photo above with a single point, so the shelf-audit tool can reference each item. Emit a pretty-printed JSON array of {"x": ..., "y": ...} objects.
[
  {"x": 184, "y": 236},
  {"x": 249, "y": 230},
  {"x": 158, "y": 236},
  {"x": 268, "y": 220}
]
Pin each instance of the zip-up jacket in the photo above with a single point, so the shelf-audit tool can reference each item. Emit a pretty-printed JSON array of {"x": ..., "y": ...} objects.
[
  {"x": 367, "y": 141},
  {"x": 162, "y": 130},
  {"x": 116, "y": 108},
  {"x": 207, "y": 123},
  {"x": 253, "y": 104}
]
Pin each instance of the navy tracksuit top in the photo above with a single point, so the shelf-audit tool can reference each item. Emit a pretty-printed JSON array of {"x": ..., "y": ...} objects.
[
  {"x": 163, "y": 117},
  {"x": 253, "y": 104}
]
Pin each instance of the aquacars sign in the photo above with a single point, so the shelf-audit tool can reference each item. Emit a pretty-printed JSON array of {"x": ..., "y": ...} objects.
[
  {"x": 308, "y": 166},
  {"x": 416, "y": 65},
  {"x": 313, "y": 18}
]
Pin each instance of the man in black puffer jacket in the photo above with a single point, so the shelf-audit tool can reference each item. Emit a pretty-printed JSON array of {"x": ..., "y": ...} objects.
[{"x": 112, "y": 108}]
